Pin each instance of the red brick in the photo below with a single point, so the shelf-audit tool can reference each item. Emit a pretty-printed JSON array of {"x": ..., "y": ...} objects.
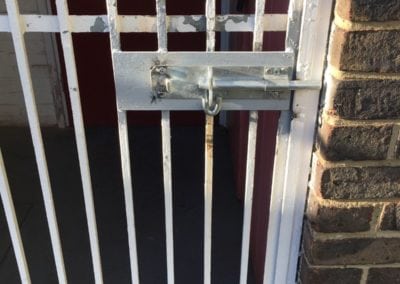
[
  {"x": 366, "y": 99},
  {"x": 368, "y": 10},
  {"x": 390, "y": 217},
  {"x": 358, "y": 51},
  {"x": 319, "y": 275},
  {"x": 346, "y": 251},
  {"x": 384, "y": 275},
  {"x": 349, "y": 183},
  {"x": 354, "y": 142},
  {"x": 330, "y": 218}
]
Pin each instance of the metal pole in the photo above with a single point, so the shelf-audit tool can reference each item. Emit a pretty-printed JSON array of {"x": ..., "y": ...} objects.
[
  {"x": 17, "y": 32},
  {"x": 13, "y": 226}
]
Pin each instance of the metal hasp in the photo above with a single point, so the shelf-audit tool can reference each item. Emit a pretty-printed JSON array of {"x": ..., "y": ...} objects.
[
  {"x": 240, "y": 83},
  {"x": 181, "y": 81}
]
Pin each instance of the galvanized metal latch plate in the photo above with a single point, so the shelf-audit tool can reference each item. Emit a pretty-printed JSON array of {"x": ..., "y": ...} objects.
[
  {"x": 178, "y": 80},
  {"x": 170, "y": 82}
]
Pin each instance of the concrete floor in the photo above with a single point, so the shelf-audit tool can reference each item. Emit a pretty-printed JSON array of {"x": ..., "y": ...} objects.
[{"x": 110, "y": 212}]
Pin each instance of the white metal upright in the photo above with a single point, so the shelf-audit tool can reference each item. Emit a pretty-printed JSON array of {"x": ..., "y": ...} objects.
[
  {"x": 13, "y": 225},
  {"x": 166, "y": 149},
  {"x": 282, "y": 138},
  {"x": 80, "y": 136},
  {"x": 258, "y": 36},
  {"x": 310, "y": 64},
  {"x": 209, "y": 151},
  {"x": 17, "y": 32},
  {"x": 112, "y": 14}
]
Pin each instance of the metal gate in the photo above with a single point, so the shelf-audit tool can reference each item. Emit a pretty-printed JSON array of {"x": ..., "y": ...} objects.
[{"x": 288, "y": 81}]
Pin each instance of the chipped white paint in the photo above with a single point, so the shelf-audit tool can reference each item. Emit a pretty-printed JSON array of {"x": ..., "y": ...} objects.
[
  {"x": 146, "y": 24},
  {"x": 136, "y": 24},
  {"x": 176, "y": 24}
]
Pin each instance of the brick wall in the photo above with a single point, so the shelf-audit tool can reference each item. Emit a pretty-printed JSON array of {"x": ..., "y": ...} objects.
[{"x": 352, "y": 226}]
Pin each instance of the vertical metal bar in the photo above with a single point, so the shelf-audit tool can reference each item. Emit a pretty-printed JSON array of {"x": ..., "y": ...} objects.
[
  {"x": 210, "y": 16},
  {"x": 276, "y": 197},
  {"x": 127, "y": 181},
  {"x": 275, "y": 210},
  {"x": 295, "y": 11},
  {"x": 17, "y": 32},
  {"x": 73, "y": 86},
  {"x": 258, "y": 35},
  {"x": 248, "y": 199},
  {"x": 208, "y": 181},
  {"x": 12, "y": 223},
  {"x": 112, "y": 15},
  {"x": 161, "y": 25},
  {"x": 310, "y": 64},
  {"x": 166, "y": 149},
  {"x": 208, "y": 152}
]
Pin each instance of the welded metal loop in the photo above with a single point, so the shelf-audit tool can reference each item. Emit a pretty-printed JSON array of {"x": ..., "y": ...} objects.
[{"x": 211, "y": 105}]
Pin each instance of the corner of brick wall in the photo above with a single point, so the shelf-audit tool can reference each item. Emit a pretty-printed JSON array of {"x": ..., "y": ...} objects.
[{"x": 352, "y": 223}]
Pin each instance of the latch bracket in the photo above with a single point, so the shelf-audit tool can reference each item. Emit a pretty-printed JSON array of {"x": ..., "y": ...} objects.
[{"x": 179, "y": 80}]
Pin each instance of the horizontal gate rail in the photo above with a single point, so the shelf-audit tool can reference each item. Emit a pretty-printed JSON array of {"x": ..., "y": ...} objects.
[{"x": 145, "y": 24}]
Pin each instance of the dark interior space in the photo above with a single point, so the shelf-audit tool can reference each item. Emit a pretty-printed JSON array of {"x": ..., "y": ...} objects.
[{"x": 188, "y": 160}]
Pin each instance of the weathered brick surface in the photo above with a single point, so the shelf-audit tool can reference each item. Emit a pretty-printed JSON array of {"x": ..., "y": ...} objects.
[
  {"x": 368, "y": 10},
  {"x": 398, "y": 150},
  {"x": 330, "y": 218},
  {"x": 361, "y": 142},
  {"x": 312, "y": 275},
  {"x": 358, "y": 51},
  {"x": 348, "y": 251},
  {"x": 366, "y": 99},
  {"x": 390, "y": 217},
  {"x": 383, "y": 276},
  {"x": 348, "y": 183}
]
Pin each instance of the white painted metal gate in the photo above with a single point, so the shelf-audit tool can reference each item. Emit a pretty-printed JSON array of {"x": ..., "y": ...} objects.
[{"x": 207, "y": 80}]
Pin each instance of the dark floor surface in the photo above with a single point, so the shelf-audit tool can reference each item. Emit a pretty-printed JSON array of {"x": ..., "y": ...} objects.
[{"x": 188, "y": 160}]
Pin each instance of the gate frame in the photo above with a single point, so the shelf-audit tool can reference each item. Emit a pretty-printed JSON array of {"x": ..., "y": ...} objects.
[{"x": 295, "y": 133}]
